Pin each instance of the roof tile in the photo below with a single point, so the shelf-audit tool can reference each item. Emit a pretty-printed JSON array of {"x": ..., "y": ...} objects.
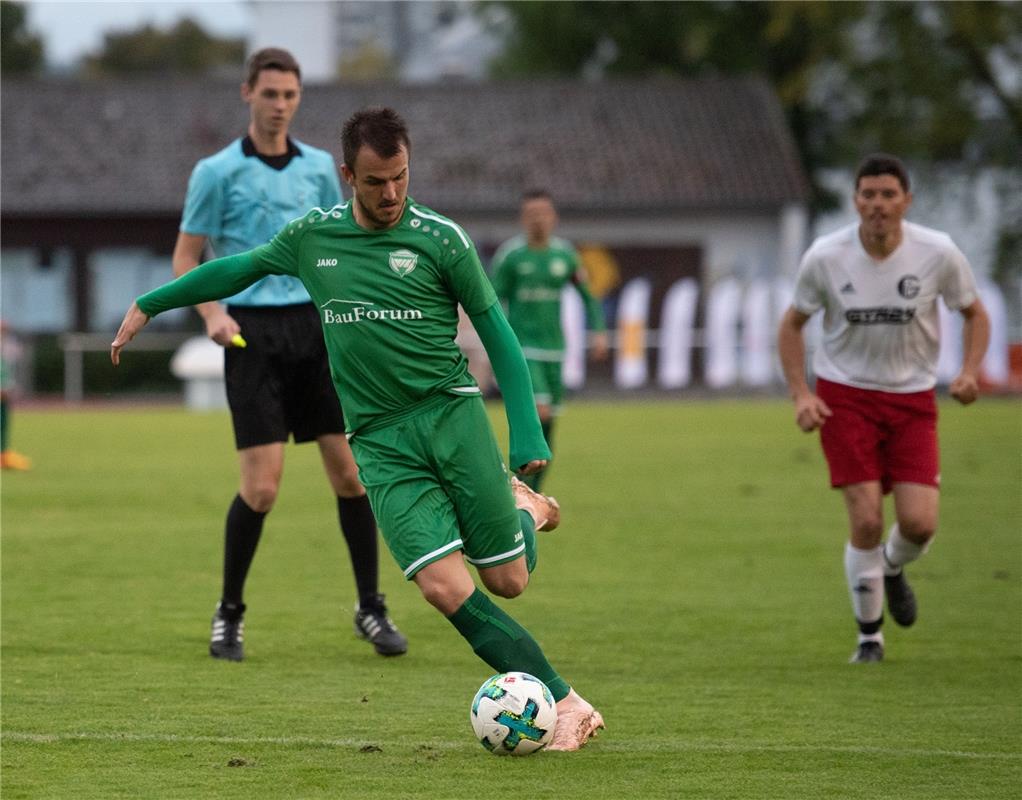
[{"x": 622, "y": 145}]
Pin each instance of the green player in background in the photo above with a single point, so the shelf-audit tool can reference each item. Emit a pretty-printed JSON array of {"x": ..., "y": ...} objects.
[
  {"x": 529, "y": 273},
  {"x": 386, "y": 275}
]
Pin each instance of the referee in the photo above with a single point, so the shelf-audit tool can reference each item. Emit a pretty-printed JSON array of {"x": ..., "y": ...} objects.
[{"x": 277, "y": 374}]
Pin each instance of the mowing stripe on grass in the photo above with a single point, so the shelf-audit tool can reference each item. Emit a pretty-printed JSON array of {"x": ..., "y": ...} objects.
[{"x": 634, "y": 745}]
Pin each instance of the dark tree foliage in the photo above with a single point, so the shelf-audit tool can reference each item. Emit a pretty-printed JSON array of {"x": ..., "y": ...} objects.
[
  {"x": 927, "y": 80},
  {"x": 20, "y": 51},
  {"x": 184, "y": 49}
]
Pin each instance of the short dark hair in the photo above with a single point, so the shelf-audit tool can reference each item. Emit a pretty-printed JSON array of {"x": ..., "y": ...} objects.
[
  {"x": 270, "y": 58},
  {"x": 882, "y": 164},
  {"x": 536, "y": 194},
  {"x": 379, "y": 128}
]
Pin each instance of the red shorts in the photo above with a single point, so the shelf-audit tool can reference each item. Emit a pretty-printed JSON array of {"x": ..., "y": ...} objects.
[{"x": 879, "y": 436}]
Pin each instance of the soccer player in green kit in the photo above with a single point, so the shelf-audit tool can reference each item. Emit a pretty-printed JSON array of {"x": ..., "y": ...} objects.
[
  {"x": 387, "y": 275},
  {"x": 529, "y": 273}
]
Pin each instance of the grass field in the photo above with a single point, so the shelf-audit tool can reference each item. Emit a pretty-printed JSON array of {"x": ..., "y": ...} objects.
[{"x": 694, "y": 593}]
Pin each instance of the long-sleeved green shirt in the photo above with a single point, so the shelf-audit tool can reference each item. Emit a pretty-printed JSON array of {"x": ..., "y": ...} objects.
[{"x": 388, "y": 302}]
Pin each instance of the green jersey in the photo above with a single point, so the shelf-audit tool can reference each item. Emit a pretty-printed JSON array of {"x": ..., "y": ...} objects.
[
  {"x": 387, "y": 299},
  {"x": 530, "y": 281}
]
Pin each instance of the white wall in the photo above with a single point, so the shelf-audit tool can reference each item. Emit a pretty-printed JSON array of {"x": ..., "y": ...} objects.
[{"x": 741, "y": 245}]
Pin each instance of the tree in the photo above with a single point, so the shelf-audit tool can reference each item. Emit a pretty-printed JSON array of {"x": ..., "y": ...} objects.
[
  {"x": 369, "y": 62},
  {"x": 932, "y": 81},
  {"x": 184, "y": 49},
  {"x": 924, "y": 79},
  {"x": 20, "y": 51}
]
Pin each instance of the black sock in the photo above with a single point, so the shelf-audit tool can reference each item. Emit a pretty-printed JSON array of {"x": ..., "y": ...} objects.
[
  {"x": 241, "y": 537},
  {"x": 231, "y": 611},
  {"x": 359, "y": 528}
]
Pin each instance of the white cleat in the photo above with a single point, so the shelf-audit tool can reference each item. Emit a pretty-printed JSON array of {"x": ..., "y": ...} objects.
[
  {"x": 577, "y": 723},
  {"x": 545, "y": 512}
]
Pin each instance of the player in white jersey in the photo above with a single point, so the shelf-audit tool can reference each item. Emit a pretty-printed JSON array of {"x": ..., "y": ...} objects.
[{"x": 877, "y": 283}]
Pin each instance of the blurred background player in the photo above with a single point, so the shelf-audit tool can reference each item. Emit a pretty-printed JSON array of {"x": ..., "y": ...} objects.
[
  {"x": 416, "y": 418},
  {"x": 877, "y": 283},
  {"x": 10, "y": 352},
  {"x": 279, "y": 384},
  {"x": 529, "y": 272}
]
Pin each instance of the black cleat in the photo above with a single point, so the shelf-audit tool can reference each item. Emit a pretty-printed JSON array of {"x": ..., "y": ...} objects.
[
  {"x": 901, "y": 600},
  {"x": 868, "y": 652},
  {"x": 226, "y": 640},
  {"x": 373, "y": 625}
]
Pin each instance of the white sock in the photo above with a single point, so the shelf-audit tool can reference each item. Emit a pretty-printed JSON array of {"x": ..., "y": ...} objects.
[
  {"x": 865, "y": 572},
  {"x": 872, "y": 637},
  {"x": 899, "y": 551}
]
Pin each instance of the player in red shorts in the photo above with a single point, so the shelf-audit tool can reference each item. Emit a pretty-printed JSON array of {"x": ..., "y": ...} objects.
[{"x": 877, "y": 283}]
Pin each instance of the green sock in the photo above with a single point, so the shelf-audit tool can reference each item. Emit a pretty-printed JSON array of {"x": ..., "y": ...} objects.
[
  {"x": 504, "y": 644},
  {"x": 529, "y": 531}
]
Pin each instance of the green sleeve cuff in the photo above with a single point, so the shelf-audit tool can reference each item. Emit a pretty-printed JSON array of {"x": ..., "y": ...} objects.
[{"x": 525, "y": 433}]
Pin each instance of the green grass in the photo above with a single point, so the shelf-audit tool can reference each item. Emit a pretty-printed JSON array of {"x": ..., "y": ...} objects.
[{"x": 695, "y": 593}]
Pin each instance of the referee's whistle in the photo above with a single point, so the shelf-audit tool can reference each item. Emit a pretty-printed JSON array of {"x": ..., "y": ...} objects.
[{"x": 238, "y": 341}]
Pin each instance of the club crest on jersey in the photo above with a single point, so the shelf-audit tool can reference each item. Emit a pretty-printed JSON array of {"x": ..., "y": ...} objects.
[
  {"x": 558, "y": 268},
  {"x": 908, "y": 287},
  {"x": 403, "y": 261}
]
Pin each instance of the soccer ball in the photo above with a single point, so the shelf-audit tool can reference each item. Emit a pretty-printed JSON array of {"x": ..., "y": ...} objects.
[{"x": 513, "y": 714}]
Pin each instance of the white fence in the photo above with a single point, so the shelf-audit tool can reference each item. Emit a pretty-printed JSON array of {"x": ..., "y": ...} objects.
[{"x": 738, "y": 340}]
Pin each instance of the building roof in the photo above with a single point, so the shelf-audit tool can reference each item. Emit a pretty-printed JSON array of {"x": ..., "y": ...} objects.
[{"x": 101, "y": 147}]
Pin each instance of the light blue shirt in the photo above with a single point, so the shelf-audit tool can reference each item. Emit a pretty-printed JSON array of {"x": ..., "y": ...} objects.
[{"x": 238, "y": 202}]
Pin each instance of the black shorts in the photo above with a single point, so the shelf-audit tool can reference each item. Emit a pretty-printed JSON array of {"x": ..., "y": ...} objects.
[{"x": 279, "y": 385}]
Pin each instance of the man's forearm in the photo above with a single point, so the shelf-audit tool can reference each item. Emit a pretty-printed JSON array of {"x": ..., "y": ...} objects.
[
  {"x": 975, "y": 339},
  {"x": 791, "y": 350},
  {"x": 594, "y": 312}
]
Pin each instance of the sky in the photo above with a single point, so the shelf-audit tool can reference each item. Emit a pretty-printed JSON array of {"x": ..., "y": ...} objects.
[{"x": 72, "y": 29}]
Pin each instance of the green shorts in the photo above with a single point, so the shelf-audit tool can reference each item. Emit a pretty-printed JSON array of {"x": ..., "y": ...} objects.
[
  {"x": 547, "y": 382},
  {"x": 437, "y": 483}
]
